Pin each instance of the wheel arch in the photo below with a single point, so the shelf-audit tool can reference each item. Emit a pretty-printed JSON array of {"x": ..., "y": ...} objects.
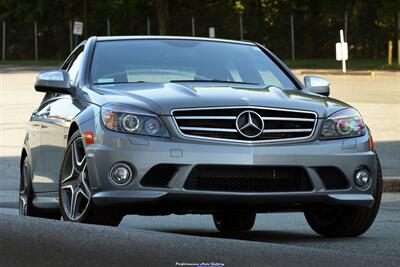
[
  {"x": 72, "y": 129},
  {"x": 24, "y": 154}
]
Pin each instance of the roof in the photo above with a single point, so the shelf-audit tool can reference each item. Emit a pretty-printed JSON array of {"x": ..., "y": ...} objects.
[{"x": 159, "y": 37}]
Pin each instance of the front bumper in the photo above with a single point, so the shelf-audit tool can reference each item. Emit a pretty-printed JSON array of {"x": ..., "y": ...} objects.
[
  {"x": 196, "y": 202},
  {"x": 143, "y": 153}
]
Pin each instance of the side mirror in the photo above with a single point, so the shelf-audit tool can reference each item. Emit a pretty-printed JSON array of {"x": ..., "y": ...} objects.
[
  {"x": 317, "y": 85},
  {"x": 56, "y": 81}
]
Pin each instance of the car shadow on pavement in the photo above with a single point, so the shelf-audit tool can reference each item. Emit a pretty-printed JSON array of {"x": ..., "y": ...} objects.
[
  {"x": 281, "y": 237},
  {"x": 269, "y": 236},
  {"x": 255, "y": 235}
]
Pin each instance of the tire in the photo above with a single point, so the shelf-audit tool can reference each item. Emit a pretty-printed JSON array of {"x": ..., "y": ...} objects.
[
  {"x": 26, "y": 207},
  {"x": 346, "y": 221},
  {"x": 75, "y": 191},
  {"x": 234, "y": 222}
]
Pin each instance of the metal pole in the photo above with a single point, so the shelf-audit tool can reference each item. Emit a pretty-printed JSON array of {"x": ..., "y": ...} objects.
[
  {"x": 343, "y": 50},
  {"x": 148, "y": 26},
  {"x": 108, "y": 27},
  {"x": 76, "y": 40},
  {"x": 36, "y": 41},
  {"x": 292, "y": 36},
  {"x": 241, "y": 26},
  {"x": 193, "y": 26},
  {"x": 398, "y": 38},
  {"x": 70, "y": 36},
  {"x": 390, "y": 53},
  {"x": 398, "y": 52},
  {"x": 345, "y": 24},
  {"x": 4, "y": 41},
  {"x": 85, "y": 17}
]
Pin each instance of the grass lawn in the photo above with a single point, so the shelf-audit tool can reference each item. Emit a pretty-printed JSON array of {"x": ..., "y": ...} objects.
[
  {"x": 352, "y": 64},
  {"x": 41, "y": 62}
]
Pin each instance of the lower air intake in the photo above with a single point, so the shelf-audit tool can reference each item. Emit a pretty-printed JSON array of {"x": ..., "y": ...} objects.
[{"x": 248, "y": 179}]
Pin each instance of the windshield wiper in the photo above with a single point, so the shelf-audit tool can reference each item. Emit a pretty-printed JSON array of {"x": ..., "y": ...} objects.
[
  {"x": 105, "y": 83},
  {"x": 211, "y": 81}
]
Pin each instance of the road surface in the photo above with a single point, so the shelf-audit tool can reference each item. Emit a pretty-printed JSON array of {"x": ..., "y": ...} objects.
[{"x": 276, "y": 240}]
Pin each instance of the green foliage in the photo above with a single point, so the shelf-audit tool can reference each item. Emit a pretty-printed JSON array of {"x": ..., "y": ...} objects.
[{"x": 371, "y": 23}]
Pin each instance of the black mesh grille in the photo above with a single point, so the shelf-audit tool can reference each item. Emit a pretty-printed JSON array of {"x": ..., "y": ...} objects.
[
  {"x": 248, "y": 179},
  {"x": 159, "y": 176},
  {"x": 332, "y": 178}
]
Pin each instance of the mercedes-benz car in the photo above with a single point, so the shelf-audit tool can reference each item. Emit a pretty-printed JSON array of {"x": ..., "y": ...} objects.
[{"x": 157, "y": 125}]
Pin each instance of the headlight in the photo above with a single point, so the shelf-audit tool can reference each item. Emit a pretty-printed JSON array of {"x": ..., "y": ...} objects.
[
  {"x": 342, "y": 124},
  {"x": 122, "y": 118}
]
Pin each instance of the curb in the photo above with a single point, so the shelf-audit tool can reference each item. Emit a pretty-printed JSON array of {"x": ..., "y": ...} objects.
[
  {"x": 391, "y": 185},
  {"x": 352, "y": 73},
  {"x": 348, "y": 73}
]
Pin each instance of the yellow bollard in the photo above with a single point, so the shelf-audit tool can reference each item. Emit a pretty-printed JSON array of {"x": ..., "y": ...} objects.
[
  {"x": 390, "y": 53},
  {"x": 398, "y": 52}
]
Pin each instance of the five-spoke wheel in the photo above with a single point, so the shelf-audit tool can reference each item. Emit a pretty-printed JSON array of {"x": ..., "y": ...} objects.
[{"x": 75, "y": 189}]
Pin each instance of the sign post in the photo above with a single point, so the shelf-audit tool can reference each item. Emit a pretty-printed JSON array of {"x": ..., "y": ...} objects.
[
  {"x": 211, "y": 32},
  {"x": 342, "y": 51},
  {"x": 78, "y": 30}
]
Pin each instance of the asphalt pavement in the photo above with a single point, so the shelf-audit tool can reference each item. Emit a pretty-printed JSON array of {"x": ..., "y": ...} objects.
[{"x": 279, "y": 239}]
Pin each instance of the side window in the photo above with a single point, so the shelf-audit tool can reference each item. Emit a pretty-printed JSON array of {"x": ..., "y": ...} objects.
[
  {"x": 73, "y": 62},
  {"x": 73, "y": 70}
]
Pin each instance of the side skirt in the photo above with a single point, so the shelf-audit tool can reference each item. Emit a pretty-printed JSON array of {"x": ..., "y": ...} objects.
[{"x": 48, "y": 200}]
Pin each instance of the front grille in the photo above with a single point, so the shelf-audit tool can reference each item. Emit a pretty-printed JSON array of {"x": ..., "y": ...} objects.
[
  {"x": 248, "y": 179},
  {"x": 222, "y": 124},
  {"x": 159, "y": 175}
]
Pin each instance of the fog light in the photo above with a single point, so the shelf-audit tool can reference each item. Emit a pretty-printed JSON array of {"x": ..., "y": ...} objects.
[
  {"x": 362, "y": 178},
  {"x": 121, "y": 174}
]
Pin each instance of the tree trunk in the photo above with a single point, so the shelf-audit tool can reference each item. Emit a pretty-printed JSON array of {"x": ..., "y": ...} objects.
[{"x": 163, "y": 16}]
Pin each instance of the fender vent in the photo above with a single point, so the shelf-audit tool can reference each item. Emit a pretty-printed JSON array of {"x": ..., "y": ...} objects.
[
  {"x": 332, "y": 178},
  {"x": 159, "y": 175}
]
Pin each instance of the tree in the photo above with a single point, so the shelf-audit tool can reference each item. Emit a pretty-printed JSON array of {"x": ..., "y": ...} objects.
[{"x": 163, "y": 16}]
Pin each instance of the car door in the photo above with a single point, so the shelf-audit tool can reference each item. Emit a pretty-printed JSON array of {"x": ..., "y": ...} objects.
[
  {"x": 54, "y": 131},
  {"x": 33, "y": 141},
  {"x": 51, "y": 141}
]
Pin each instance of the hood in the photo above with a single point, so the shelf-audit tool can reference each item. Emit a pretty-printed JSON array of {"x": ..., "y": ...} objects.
[{"x": 162, "y": 98}]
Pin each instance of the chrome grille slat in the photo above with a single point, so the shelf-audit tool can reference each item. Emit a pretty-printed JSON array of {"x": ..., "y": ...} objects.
[
  {"x": 285, "y": 119},
  {"x": 209, "y": 129},
  {"x": 287, "y": 130},
  {"x": 220, "y": 123},
  {"x": 205, "y": 117}
]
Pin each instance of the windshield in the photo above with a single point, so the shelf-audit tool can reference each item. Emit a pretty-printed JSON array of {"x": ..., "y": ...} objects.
[{"x": 161, "y": 61}]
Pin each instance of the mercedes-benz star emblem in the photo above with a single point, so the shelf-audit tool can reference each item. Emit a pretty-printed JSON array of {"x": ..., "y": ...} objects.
[{"x": 249, "y": 124}]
